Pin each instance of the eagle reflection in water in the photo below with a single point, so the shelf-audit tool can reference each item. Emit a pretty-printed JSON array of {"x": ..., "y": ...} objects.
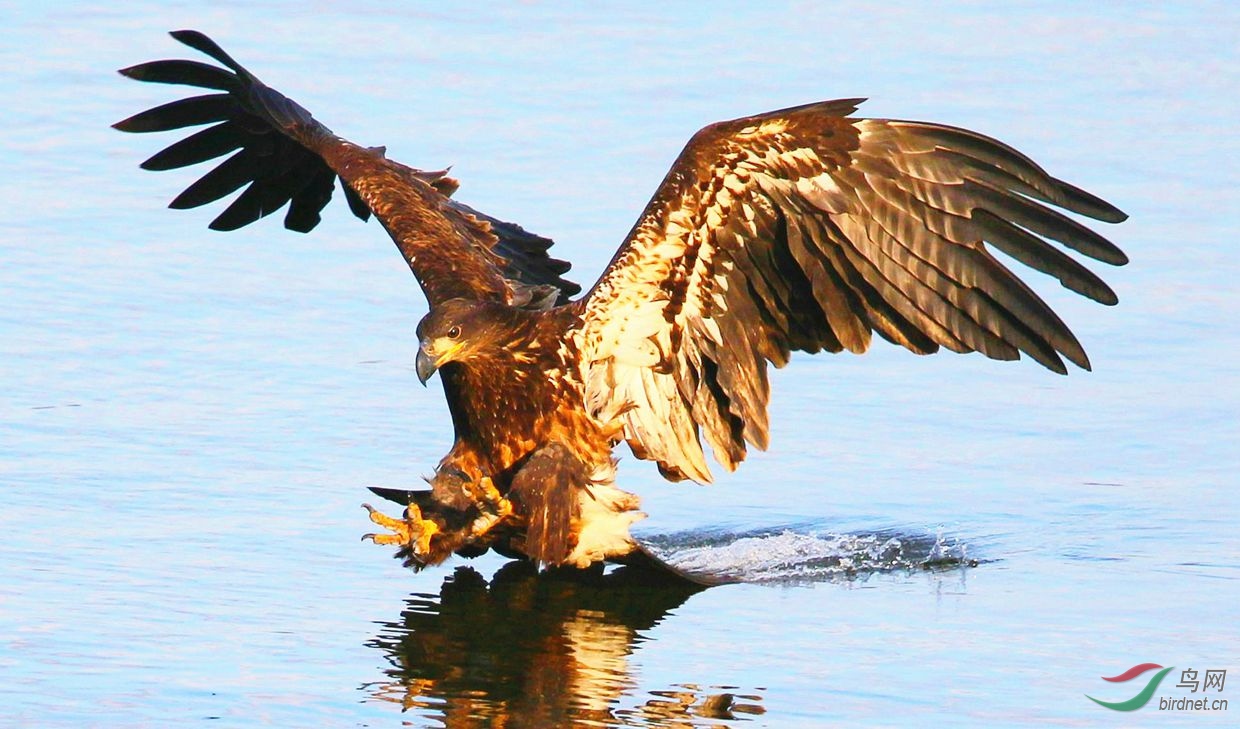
[{"x": 540, "y": 650}]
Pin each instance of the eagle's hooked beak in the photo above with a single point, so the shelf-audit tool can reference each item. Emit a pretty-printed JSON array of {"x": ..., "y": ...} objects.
[
  {"x": 425, "y": 365},
  {"x": 432, "y": 354}
]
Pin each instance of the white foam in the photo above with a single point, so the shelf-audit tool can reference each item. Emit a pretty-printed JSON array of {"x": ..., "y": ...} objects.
[{"x": 790, "y": 556}]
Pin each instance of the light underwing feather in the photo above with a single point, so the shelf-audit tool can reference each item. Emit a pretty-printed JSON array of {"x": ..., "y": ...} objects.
[{"x": 804, "y": 229}]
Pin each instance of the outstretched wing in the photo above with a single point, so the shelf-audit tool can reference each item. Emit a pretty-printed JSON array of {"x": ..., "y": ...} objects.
[
  {"x": 286, "y": 157},
  {"x": 806, "y": 230}
]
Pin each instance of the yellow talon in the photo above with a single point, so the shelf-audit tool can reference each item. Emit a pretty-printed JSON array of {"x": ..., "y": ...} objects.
[
  {"x": 384, "y": 520},
  {"x": 501, "y": 508},
  {"x": 415, "y": 533},
  {"x": 483, "y": 524},
  {"x": 428, "y": 530},
  {"x": 413, "y": 530}
]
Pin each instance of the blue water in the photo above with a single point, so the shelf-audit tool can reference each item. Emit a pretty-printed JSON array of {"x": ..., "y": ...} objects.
[{"x": 188, "y": 419}]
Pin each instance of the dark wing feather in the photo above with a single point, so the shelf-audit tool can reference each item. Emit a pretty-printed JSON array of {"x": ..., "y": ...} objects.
[
  {"x": 806, "y": 230},
  {"x": 282, "y": 156},
  {"x": 526, "y": 257}
]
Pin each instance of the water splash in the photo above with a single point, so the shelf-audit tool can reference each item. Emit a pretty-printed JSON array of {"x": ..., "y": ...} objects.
[{"x": 799, "y": 556}]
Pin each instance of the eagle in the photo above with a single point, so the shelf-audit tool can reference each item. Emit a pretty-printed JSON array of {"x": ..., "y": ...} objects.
[{"x": 799, "y": 230}]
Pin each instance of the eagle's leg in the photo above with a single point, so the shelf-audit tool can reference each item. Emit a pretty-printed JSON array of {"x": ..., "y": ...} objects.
[
  {"x": 412, "y": 531},
  {"x": 547, "y": 491}
]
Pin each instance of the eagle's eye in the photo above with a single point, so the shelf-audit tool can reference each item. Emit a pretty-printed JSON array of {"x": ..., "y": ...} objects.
[{"x": 454, "y": 332}]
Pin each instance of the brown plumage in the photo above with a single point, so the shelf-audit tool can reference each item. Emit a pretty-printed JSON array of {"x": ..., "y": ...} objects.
[{"x": 803, "y": 229}]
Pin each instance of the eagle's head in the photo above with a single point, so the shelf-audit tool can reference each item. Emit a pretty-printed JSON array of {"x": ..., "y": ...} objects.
[{"x": 456, "y": 331}]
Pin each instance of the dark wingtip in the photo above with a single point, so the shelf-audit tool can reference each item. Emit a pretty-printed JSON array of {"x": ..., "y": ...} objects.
[
  {"x": 225, "y": 225},
  {"x": 200, "y": 42},
  {"x": 183, "y": 202},
  {"x": 1078, "y": 358},
  {"x": 1107, "y": 297},
  {"x": 1087, "y": 203},
  {"x": 133, "y": 124},
  {"x": 301, "y": 226}
]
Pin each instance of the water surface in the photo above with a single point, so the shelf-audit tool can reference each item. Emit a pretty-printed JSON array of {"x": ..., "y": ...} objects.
[{"x": 188, "y": 419}]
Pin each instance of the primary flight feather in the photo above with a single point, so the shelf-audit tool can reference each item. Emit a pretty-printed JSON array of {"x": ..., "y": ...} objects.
[{"x": 803, "y": 229}]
